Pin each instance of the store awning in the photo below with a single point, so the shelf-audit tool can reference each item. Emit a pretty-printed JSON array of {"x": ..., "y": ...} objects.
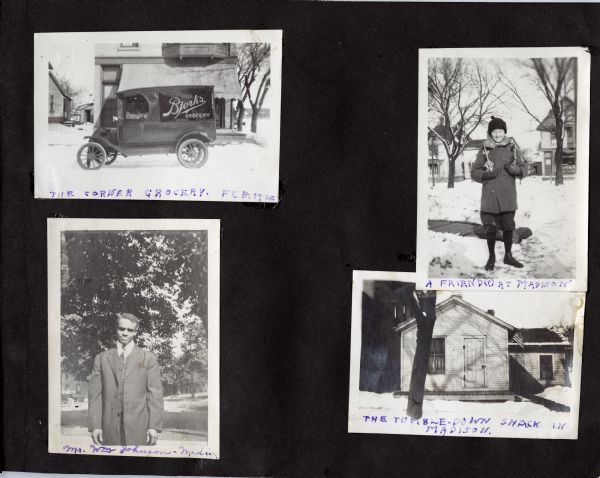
[{"x": 221, "y": 75}]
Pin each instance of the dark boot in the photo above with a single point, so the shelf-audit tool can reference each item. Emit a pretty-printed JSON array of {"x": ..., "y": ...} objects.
[
  {"x": 491, "y": 242},
  {"x": 511, "y": 261},
  {"x": 508, "y": 258}
]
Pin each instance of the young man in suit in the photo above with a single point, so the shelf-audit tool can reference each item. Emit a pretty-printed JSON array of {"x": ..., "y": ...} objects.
[{"x": 125, "y": 405}]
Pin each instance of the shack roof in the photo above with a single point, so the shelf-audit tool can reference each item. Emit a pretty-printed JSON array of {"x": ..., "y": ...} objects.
[
  {"x": 456, "y": 300},
  {"x": 537, "y": 336}
]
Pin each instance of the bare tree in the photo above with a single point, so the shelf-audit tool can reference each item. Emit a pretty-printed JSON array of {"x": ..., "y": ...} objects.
[
  {"x": 68, "y": 88},
  {"x": 254, "y": 75},
  {"x": 555, "y": 79},
  {"x": 461, "y": 94}
]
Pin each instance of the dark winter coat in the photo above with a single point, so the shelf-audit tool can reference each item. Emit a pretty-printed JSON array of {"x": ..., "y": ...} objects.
[
  {"x": 500, "y": 193},
  {"x": 138, "y": 382}
]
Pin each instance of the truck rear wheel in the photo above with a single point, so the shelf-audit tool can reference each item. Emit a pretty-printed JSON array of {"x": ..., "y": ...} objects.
[{"x": 192, "y": 153}]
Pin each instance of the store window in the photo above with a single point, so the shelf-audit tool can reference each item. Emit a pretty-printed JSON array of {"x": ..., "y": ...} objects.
[
  {"x": 569, "y": 135},
  {"x": 437, "y": 356},
  {"x": 110, "y": 84},
  {"x": 220, "y": 112},
  {"x": 129, "y": 46},
  {"x": 135, "y": 108}
]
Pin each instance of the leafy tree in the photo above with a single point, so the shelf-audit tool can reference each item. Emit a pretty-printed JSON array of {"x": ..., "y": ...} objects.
[
  {"x": 253, "y": 65},
  {"x": 160, "y": 276},
  {"x": 189, "y": 368}
]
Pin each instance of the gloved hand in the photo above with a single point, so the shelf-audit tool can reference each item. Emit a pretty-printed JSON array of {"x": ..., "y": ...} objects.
[
  {"x": 512, "y": 169},
  {"x": 490, "y": 174}
]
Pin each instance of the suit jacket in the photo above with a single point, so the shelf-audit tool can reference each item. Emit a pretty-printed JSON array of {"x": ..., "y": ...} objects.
[
  {"x": 138, "y": 382},
  {"x": 498, "y": 194}
]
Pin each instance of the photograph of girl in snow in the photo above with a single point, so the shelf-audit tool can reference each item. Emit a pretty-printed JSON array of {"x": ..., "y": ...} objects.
[{"x": 497, "y": 165}]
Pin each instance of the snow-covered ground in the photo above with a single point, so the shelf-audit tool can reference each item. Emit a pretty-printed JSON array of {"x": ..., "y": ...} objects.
[
  {"x": 384, "y": 413},
  {"x": 549, "y": 211},
  {"x": 232, "y": 169},
  {"x": 557, "y": 394}
]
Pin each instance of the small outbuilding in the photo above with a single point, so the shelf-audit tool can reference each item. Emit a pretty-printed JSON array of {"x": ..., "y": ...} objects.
[
  {"x": 540, "y": 358},
  {"x": 474, "y": 355},
  {"x": 59, "y": 104},
  {"x": 468, "y": 358}
]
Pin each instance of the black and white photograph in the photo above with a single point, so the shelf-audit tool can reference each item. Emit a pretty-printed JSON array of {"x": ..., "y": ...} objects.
[
  {"x": 133, "y": 337},
  {"x": 503, "y": 168},
  {"x": 184, "y": 116},
  {"x": 463, "y": 363}
]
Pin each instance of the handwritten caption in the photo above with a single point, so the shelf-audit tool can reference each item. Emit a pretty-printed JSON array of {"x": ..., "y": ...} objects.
[
  {"x": 137, "y": 450},
  {"x": 164, "y": 193},
  {"x": 498, "y": 284},
  {"x": 472, "y": 426}
]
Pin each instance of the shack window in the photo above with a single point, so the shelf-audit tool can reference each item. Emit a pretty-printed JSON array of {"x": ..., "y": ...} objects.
[
  {"x": 437, "y": 356},
  {"x": 546, "y": 371},
  {"x": 136, "y": 108},
  {"x": 51, "y": 103}
]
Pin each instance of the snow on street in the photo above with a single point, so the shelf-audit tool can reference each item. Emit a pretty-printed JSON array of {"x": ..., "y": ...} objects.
[
  {"x": 546, "y": 209},
  {"x": 231, "y": 170}
]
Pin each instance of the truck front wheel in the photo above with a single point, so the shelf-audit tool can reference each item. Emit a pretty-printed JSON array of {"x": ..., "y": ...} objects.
[{"x": 91, "y": 156}]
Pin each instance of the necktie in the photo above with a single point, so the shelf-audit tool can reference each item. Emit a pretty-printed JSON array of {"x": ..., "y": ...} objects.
[{"x": 122, "y": 356}]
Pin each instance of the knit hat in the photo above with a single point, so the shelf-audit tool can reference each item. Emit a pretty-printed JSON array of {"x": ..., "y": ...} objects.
[{"x": 496, "y": 123}]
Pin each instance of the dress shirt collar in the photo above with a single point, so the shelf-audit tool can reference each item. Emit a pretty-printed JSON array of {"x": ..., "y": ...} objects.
[{"x": 126, "y": 350}]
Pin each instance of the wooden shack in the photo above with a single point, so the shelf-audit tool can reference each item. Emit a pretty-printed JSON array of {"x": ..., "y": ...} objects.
[{"x": 469, "y": 357}]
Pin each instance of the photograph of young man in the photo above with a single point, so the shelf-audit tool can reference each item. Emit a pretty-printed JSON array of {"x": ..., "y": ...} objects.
[{"x": 125, "y": 391}]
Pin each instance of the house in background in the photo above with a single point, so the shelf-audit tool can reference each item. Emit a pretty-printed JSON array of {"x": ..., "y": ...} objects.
[
  {"x": 59, "y": 104},
  {"x": 540, "y": 358},
  {"x": 547, "y": 146},
  {"x": 73, "y": 389},
  {"x": 85, "y": 112},
  {"x": 475, "y": 355},
  {"x": 124, "y": 66},
  {"x": 438, "y": 158}
]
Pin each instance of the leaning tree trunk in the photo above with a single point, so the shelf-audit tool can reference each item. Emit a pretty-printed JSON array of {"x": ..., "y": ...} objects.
[
  {"x": 451, "y": 172},
  {"x": 419, "y": 370},
  {"x": 425, "y": 317}
]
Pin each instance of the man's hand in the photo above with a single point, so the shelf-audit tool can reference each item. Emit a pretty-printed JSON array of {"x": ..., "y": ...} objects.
[
  {"x": 151, "y": 436},
  {"x": 97, "y": 436}
]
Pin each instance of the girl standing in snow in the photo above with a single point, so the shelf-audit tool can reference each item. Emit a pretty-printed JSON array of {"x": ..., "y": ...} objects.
[{"x": 497, "y": 165}]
